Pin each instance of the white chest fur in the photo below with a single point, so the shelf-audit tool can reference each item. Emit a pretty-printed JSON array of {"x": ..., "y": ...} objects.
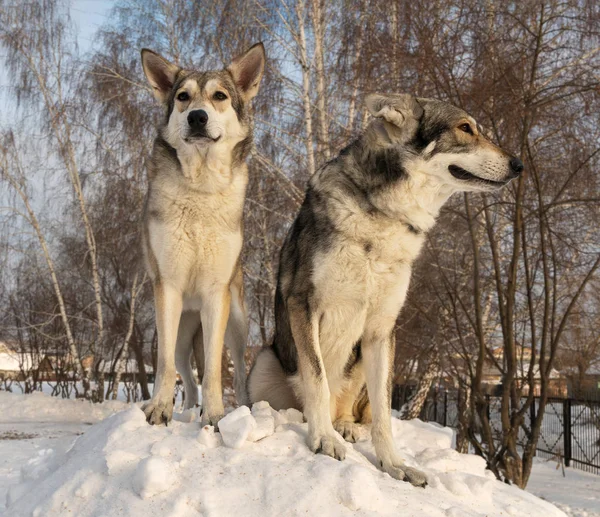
[
  {"x": 362, "y": 278},
  {"x": 196, "y": 236}
]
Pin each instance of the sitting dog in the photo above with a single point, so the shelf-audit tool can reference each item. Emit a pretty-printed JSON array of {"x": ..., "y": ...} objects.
[
  {"x": 346, "y": 263},
  {"x": 192, "y": 225}
]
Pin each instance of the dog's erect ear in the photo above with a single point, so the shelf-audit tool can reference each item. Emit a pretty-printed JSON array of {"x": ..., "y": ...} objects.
[
  {"x": 397, "y": 109},
  {"x": 161, "y": 74},
  {"x": 247, "y": 70}
]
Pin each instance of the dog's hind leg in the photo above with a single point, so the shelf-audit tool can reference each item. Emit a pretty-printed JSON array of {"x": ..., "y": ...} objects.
[
  {"x": 214, "y": 317},
  {"x": 316, "y": 397},
  {"x": 345, "y": 421},
  {"x": 188, "y": 326},
  {"x": 168, "y": 303},
  {"x": 198, "y": 343},
  {"x": 236, "y": 336}
]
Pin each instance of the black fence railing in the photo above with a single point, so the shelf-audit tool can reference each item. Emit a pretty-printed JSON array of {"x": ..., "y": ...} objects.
[{"x": 570, "y": 428}]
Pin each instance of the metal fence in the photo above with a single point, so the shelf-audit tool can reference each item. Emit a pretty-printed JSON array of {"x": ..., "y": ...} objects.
[{"x": 570, "y": 429}]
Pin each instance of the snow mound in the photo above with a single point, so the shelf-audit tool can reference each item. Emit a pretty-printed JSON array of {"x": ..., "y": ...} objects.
[
  {"x": 38, "y": 406},
  {"x": 258, "y": 465}
]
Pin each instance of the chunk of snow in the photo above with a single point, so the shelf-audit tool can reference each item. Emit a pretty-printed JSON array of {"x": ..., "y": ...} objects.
[
  {"x": 292, "y": 416},
  {"x": 236, "y": 426},
  {"x": 265, "y": 426},
  {"x": 207, "y": 437},
  {"x": 257, "y": 406}
]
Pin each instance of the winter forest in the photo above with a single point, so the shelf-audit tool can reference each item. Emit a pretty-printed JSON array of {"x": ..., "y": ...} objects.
[{"x": 507, "y": 281}]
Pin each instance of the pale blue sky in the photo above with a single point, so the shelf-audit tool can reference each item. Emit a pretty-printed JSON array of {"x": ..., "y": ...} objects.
[{"x": 88, "y": 16}]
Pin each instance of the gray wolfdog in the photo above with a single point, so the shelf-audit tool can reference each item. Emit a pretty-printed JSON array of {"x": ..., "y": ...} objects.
[
  {"x": 193, "y": 228},
  {"x": 346, "y": 263}
]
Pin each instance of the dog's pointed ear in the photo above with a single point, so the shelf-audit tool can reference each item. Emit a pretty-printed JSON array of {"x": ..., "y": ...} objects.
[
  {"x": 247, "y": 70},
  {"x": 395, "y": 109},
  {"x": 161, "y": 74}
]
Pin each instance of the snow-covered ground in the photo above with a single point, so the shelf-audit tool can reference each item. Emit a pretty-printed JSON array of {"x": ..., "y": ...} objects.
[
  {"x": 69, "y": 457},
  {"x": 577, "y": 493}
]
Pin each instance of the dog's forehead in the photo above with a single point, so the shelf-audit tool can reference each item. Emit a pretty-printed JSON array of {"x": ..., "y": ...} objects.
[
  {"x": 444, "y": 112},
  {"x": 205, "y": 81}
]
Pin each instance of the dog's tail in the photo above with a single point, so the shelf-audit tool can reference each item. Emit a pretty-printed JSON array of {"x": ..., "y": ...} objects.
[{"x": 267, "y": 381}]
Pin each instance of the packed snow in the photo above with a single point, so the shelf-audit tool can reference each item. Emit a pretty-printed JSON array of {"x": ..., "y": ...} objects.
[
  {"x": 69, "y": 457},
  {"x": 577, "y": 493}
]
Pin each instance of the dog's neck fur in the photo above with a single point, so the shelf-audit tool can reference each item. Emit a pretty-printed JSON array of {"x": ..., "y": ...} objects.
[
  {"x": 200, "y": 163},
  {"x": 407, "y": 192},
  {"x": 209, "y": 169}
]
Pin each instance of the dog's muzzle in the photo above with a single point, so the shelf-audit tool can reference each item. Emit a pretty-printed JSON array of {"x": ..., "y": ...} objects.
[
  {"x": 516, "y": 166},
  {"x": 197, "y": 120},
  {"x": 464, "y": 175}
]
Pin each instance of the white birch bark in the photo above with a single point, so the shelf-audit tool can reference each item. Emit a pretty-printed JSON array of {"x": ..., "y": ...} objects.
[
  {"x": 32, "y": 219},
  {"x": 122, "y": 362},
  {"x": 304, "y": 64},
  {"x": 318, "y": 22}
]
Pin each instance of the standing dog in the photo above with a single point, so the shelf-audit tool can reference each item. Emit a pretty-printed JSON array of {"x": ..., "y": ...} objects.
[
  {"x": 192, "y": 225},
  {"x": 346, "y": 263}
]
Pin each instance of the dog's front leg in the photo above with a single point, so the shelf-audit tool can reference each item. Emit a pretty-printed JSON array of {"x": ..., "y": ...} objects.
[
  {"x": 168, "y": 305},
  {"x": 378, "y": 356},
  {"x": 214, "y": 316},
  {"x": 322, "y": 437}
]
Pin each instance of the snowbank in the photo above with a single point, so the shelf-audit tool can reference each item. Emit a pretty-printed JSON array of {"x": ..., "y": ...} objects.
[
  {"x": 39, "y": 407},
  {"x": 123, "y": 466}
]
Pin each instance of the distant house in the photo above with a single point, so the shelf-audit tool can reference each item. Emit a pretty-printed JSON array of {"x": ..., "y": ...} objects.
[
  {"x": 589, "y": 384},
  {"x": 492, "y": 377},
  {"x": 51, "y": 366},
  {"x": 131, "y": 372},
  {"x": 14, "y": 365},
  {"x": 43, "y": 366}
]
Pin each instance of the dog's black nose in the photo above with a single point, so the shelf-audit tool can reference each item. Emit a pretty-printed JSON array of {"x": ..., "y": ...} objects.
[
  {"x": 197, "y": 119},
  {"x": 516, "y": 166}
]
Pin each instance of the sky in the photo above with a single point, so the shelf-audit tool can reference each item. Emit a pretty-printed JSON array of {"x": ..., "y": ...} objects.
[{"x": 88, "y": 16}]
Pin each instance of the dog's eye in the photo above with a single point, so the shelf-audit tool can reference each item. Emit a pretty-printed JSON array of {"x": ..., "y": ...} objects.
[
  {"x": 183, "y": 96},
  {"x": 466, "y": 128},
  {"x": 219, "y": 96}
]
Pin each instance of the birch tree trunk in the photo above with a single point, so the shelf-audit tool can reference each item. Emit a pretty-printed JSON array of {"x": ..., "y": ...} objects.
[
  {"x": 318, "y": 19},
  {"x": 412, "y": 408},
  {"x": 302, "y": 43},
  {"x": 32, "y": 219},
  {"x": 42, "y": 55},
  {"x": 356, "y": 63},
  {"x": 122, "y": 361}
]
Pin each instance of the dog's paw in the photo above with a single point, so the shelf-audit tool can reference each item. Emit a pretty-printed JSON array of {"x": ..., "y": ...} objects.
[
  {"x": 404, "y": 473},
  {"x": 213, "y": 420},
  {"x": 350, "y": 431},
  {"x": 158, "y": 412},
  {"x": 329, "y": 446}
]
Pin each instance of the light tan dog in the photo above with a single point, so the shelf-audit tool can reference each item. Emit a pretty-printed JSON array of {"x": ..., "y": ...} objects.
[{"x": 193, "y": 227}]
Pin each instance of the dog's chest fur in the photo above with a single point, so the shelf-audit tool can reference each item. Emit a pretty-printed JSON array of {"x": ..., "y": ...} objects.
[
  {"x": 195, "y": 236},
  {"x": 361, "y": 272},
  {"x": 362, "y": 277}
]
